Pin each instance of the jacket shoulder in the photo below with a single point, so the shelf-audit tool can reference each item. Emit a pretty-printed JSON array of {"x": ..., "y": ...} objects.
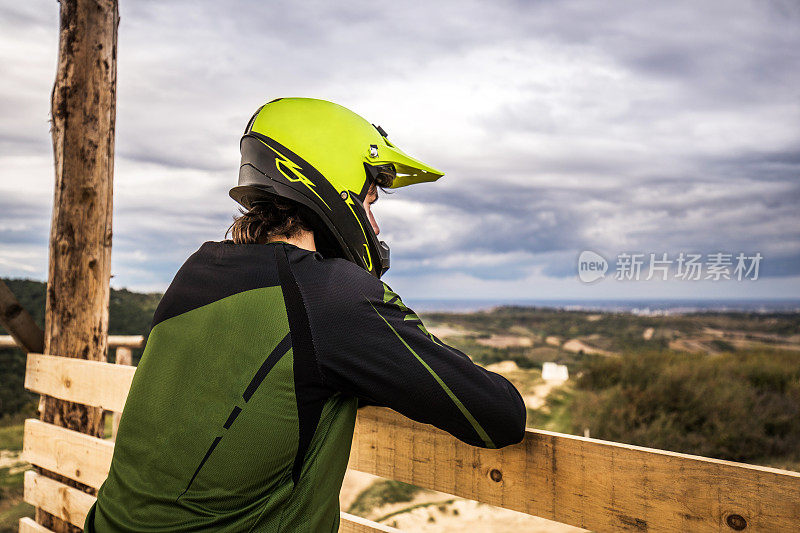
[
  {"x": 310, "y": 268},
  {"x": 332, "y": 285}
]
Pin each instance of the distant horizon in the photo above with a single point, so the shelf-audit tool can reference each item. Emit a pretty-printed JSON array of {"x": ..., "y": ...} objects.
[
  {"x": 643, "y": 306},
  {"x": 640, "y": 305},
  {"x": 641, "y": 299}
]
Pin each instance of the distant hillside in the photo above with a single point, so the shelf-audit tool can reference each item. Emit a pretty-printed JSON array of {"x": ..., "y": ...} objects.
[{"x": 130, "y": 313}]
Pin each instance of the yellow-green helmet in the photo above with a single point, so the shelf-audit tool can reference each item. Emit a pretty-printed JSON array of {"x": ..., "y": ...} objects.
[{"x": 324, "y": 157}]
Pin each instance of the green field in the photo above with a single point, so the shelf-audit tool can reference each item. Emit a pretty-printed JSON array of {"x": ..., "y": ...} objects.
[{"x": 12, "y": 508}]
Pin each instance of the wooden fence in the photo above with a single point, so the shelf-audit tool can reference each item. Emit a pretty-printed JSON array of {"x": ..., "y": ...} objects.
[{"x": 593, "y": 484}]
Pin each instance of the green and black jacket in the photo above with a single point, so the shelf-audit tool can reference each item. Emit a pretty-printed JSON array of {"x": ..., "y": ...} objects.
[{"x": 242, "y": 409}]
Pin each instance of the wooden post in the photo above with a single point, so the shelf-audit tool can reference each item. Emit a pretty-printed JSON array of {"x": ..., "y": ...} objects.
[
  {"x": 83, "y": 117},
  {"x": 18, "y": 322},
  {"x": 124, "y": 356}
]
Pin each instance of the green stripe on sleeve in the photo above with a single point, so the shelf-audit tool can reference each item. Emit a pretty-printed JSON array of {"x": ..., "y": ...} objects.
[{"x": 483, "y": 435}]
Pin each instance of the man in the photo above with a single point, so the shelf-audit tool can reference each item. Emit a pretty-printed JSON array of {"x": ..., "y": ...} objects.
[{"x": 242, "y": 409}]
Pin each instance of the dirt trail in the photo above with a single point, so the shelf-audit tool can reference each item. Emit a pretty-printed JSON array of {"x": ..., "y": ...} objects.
[
  {"x": 10, "y": 459},
  {"x": 448, "y": 331},
  {"x": 577, "y": 346},
  {"x": 506, "y": 341},
  {"x": 445, "y": 516},
  {"x": 541, "y": 391}
]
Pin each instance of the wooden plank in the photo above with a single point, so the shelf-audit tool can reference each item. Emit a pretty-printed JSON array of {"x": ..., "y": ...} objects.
[
  {"x": 72, "y": 505},
  {"x": 67, "y": 503},
  {"x": 91, "y": 383},
  {"x": 593, "y": 484},
  {"x": 7, "y": 341},
  {"x": 114, "y": 341},
  {"x": 355, "y": 524},
  {"x": 126, "y": 341},
  {"x": 28, "y": 525},
  {"x": 69, "y": 453}
]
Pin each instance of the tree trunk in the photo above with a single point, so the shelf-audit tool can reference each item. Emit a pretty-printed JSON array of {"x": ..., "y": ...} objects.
[{"x": 84, "y": 113}]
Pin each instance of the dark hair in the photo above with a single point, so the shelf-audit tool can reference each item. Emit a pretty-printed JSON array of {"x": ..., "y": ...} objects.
[
  {"x": 274, "y": 216},
  {"x": 384, "y": 177},
  {"x": 270, "y": 217}
]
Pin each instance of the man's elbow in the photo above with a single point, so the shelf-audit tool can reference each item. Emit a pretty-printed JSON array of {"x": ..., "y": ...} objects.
[
  {"x": 511, "y": 431},
  {"x": 509, "y": 427}
]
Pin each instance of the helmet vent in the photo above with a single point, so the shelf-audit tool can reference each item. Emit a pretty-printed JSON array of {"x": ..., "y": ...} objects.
[{"x": 381, "y": 131}]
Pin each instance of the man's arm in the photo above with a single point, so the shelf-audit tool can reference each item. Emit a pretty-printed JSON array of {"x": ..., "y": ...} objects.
[{"x": 370, "y": 345}]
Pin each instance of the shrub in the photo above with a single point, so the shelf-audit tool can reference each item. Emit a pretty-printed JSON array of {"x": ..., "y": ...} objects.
[
  {"x": 738, "y": 406},
  {"x": 13, "y": 395}
]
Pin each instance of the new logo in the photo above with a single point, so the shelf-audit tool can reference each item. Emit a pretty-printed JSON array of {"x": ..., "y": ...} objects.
[{"x": 591, "y": 266}]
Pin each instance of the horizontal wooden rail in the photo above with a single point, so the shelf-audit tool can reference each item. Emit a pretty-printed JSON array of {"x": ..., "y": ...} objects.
[
  {"x": 589, "y": 483},
  {"x": 78, "y": 380},
  {"x": 597, "y": 485},
  {"x": 114, "y": 341},
  {"x": 29, "y": 525},
  {"x": 87, "y": 459},
  {"x": 126, "y": 341},
  {"x": 67, "y": 503},
  {"x": 69, "y": 453},
  {"x": 7, "y": 341}
]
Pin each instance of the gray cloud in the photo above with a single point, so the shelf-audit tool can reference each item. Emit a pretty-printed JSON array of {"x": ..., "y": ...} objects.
[{"x": 561, "y": 126}]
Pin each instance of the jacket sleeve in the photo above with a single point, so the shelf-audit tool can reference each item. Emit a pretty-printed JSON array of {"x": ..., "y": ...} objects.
[{"x": 370, "y": 345}]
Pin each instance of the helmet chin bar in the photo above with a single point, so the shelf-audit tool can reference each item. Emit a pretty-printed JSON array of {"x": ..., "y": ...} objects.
[{"x": 384, "y": 257}]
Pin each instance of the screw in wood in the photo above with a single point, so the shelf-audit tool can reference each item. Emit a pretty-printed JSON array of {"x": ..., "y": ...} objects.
[{"x": 736, "y": 522}]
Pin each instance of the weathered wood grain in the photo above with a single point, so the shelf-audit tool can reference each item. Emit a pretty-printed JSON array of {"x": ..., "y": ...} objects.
[
  {"x": 68, "y": 453},
  {"x": 93, "y": 383},
  {"x": 83, "y": 111},
  {"x": 593, "y": 484},
  {"x": 66, "y": 503}
]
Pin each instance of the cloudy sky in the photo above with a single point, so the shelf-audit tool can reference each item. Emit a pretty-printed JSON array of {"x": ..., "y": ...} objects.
[{"x": 562, "y": 126}]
